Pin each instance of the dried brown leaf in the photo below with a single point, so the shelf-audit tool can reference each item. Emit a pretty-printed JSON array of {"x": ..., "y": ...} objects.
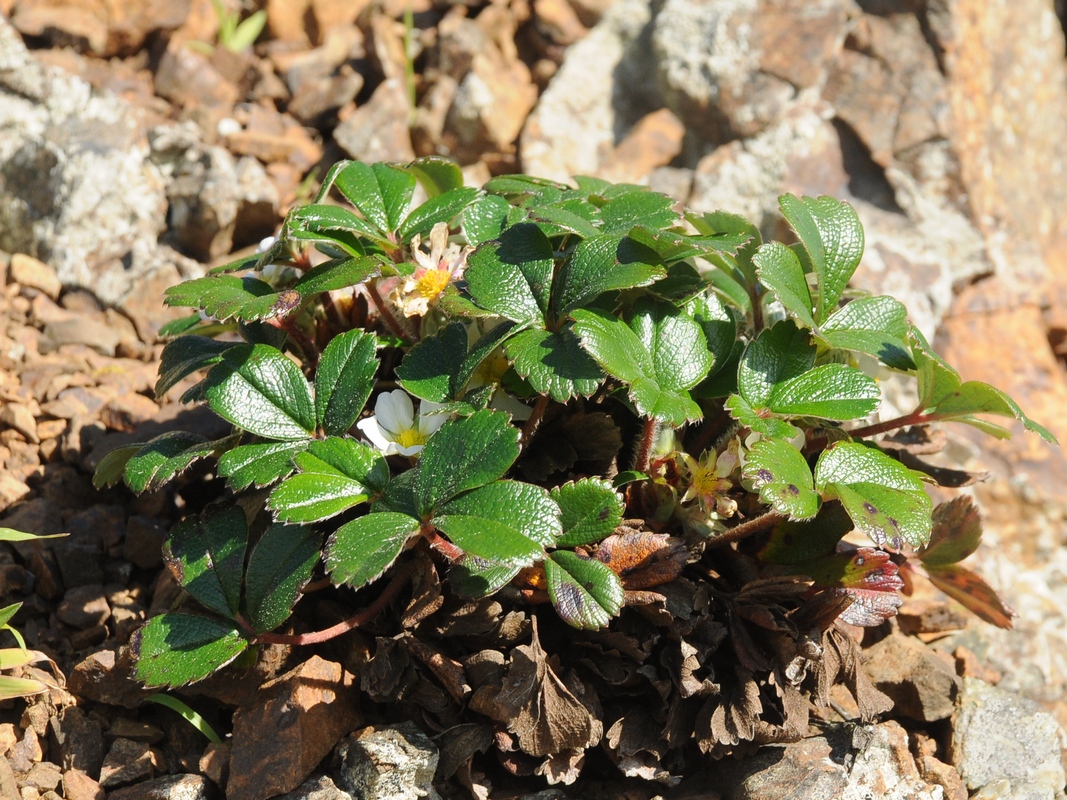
[
  {"x": 840, "y": 663},
  {"x": 642, "y": 559},
  {"x": 562, "y": 767},
  {"x": 426, "y": 597},
  {"x": 635, "y": 743}
]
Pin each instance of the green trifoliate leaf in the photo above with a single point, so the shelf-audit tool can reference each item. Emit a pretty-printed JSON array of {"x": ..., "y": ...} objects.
[
  {"x": 641, "y": 207},
  {"x": 111, "y": 468},
  {"x": 590, "y": 511},
  {"x": 221, "y": 296},
  {"x": 260, "y": 390},
  {"x": 443, "y": 208},
  {"x": 832, "y": 235},
  {"x": 464, "y": 454},
  {"x": 476, "y": 577},
  {"x": 506, "y": 522},
  {"x": 382, "y": 193},
  {"x": 944, "y": 395},
  {"x": 184, "y": 356},
  {"x": 259, "y": 464},
  {"x": 783, "y": 478},
  {"x": 736, "y": 262},
  {"x": 719, "y": 326},
  {"x": 337, "y": 274},
  {"x": 554, "y": 363},
  {"x": 344, "y": 380},
  {"x": 279, "y": 567},
  {"x": 585, "y": 593},
  {"x": 361, "y": 550},
  {"x": 176, "y": 649},
  {"x": 335, "y": 475},
  {"x": 206, "y": 553},
  {"x": 602, "y": 264},
  {"x": 661, "y": 354},
  {"x": 512, "y": 276},
  {"x": 771, "y": 427},
  {"x": 877, "y": 326},
  {"x": 780, "y": 271},
  {"x": 885, "y": 499},
  {"x": 486, "y": 218},
  {"x": 328, "y": 223},
  {"x": 156, "y": 463},
  {"x": 436, "y": 174}
]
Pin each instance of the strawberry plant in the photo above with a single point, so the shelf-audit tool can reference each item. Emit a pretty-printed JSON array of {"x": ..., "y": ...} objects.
[{"x": 601, "y": 410}]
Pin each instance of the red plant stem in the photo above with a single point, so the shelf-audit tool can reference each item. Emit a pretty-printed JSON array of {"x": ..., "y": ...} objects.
[
  {"x": 303, "y": 341},
  {"x": 530, "y": 427},
  {"x": 390, "y": 321},
  {"x": 369, "y": 613},
  {"x": 441, "y": 544},
  {"x": 914, "y": 418},
  {"x": 746, "y": 529},
  {"x": 644, "y": 449}
]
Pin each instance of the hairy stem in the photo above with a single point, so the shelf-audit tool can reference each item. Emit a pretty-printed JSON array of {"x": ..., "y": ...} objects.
[
  {"x": 302, "y": 340},
  {"x": 914, "y": 418},
  {"x": 390, "y": 321},
  {"x": 441, "y": 544},
  {"x": 530, "y": 427},
  {"x": 746, "y": 529},
  {"x": 644, "y": 448},
  {"x": 369, "y": 613}
]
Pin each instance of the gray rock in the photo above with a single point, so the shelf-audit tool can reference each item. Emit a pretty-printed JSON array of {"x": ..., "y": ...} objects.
[
  {"x": 76, "y": 188},
  {"x": 317, "y": 787},
  {"x": 378, "y": 129},
  {"x": 170, "y": 787},
  {"x": 395, "y": 762},
  {"x": 999, "y": 736},
  {"x": 921, "y": 684}
]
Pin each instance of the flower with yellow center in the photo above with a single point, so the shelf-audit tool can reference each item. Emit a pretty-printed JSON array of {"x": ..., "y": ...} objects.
[
  {"x": 394, "y": 429},
  {"x": 443, "y": 264},
  {"x": 709, "y": 481}
]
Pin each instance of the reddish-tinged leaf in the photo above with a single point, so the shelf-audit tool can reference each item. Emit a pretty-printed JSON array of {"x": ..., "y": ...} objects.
[
  {"x": 868, "y": 576},
  {"x": 971, "y": 591},
  {"x": 643, "y": 559},
  {"x": 957, "y": 533}
]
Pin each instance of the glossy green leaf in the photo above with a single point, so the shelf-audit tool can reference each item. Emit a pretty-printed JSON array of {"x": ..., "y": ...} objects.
[
  {"x": 259, "y": 464},
  {"x": 279, "y": 567},
  {"x": 796, "y": 541},
  {"x": 337, "y": 274},
  {"x": 476, "y": 577},
  {"x": 770, "y": 427},
  {"x": 206, "y": 553},
  {"x": 777, "y": 355},
  {"x": 554, "y": 363},
  {"x": 361, "y": 550},
  {"x": 640, "y": 207},
  {"x": 886, "y": 500},
  {"x": 260, "y": 390},
  {"x": 184, "y": 356},
  {"x": 112, "y": 467},
  {"x": 220, "y": 296},
  {"x": 436, "y": 174},
  {"x": 432, "y": 369},
  {"x": 585, "y": 592},
  {"x": 780, "y": 271},
  {"x": 590, "y": 511},
  {"x": 505, "y": 522},
  {"x": 661, "y": 354},
  {"x": 485, "y": 219},
  {"x": 719, "y": 326},
  {"x": 559, "y": 221},
  {"x": 464, "y": 454},
  {"x": 335, "y": 475},
  {"x": 602, "y": 264},
  {"x": 832, "y": 235},
  {"x": 309, "y": 221},
  {"x": 442, "y": 208},
  {"x": 344, "y": 380},
  {"x": 176, "y": 649},
  {"x": 782, "y": 477},
  {"x": 382, "y": 193},
  {"x": 957, "y": 532},
  {"x": 163, "y": 458},
  {"x": 829, "y": 391},
  {"x": 512, "y": 276},
  {"x": 877, "y": 326}
]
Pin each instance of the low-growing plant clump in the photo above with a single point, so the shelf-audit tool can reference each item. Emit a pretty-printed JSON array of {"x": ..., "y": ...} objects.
[{"x": 586, "y": 470}]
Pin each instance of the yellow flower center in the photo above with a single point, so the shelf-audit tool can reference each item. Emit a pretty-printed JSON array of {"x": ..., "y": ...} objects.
[
  {"x": 410, "y": 437},
  {"x": 432, "y": 282},
  {"x": 492, "y": 369}
]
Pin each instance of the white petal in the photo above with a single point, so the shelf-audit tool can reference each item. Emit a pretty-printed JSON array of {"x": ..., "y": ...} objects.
[
  {"x": 429, "y": 422},
  {"x": 373, "y": 432},
  {"x": 408, "y": 451},
  {"x": 395, "y": 411},
  {"x": 502, "y": 401}
]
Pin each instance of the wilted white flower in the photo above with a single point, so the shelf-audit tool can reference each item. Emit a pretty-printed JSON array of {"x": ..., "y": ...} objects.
[
  {"x": 394, "y": 428},
  {"x": 442, "y": 264}
]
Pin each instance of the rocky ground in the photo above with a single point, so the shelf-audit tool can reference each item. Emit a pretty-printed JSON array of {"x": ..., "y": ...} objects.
[{"x": 136, "y": 149}]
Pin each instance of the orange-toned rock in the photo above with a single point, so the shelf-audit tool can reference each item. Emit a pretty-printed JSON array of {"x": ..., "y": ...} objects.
[{"x": 653, "y": 142}]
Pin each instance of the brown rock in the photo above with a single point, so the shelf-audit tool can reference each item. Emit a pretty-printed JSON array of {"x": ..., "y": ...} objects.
[
  {"x": 83, "y": 607},
  {"x": 929, "y": 616},
  {"x": 127, "y": 411},
  {"x": 28, "y": 271},
  {"x": 79, "y": 786},
  {"x": 287, "y": 19},
  {"x": 126, "y": 728},
  {"x": 169, "y": 787},
  {"x": 106, "y": 677},
  {"x": 921, "y": 684},
  {"x": 77, "y": 25},
  {"x": 329, "y": 15},
  {"x": 27, "y": 752},
  {"x": 187, "y": 78},
  {"x": 91, "y": 331},
  {"x": 8, "y": 738},
  {"x": 294, "y": 721},
  {"x": 144, "y": 542},
  {"x": 653, "y": 142},
  {"x": 8, "y": 785},
  {"x": 215, "y": 763},
  {"x": 76, "y": 741},
  {"x": 127, "y": 761},
  {"x": 11, "y": 490},
  {"x": 558, "y": 20},
  {"x": 44, "y": 776},
  {"x": 491, "y": 104},
  {"x": 378, "y": 130}
]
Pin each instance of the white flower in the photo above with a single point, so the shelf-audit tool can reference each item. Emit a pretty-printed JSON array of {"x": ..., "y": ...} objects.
[
  {"x": 443, "y": 264},
  {"x": 394, "y": 430}
]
